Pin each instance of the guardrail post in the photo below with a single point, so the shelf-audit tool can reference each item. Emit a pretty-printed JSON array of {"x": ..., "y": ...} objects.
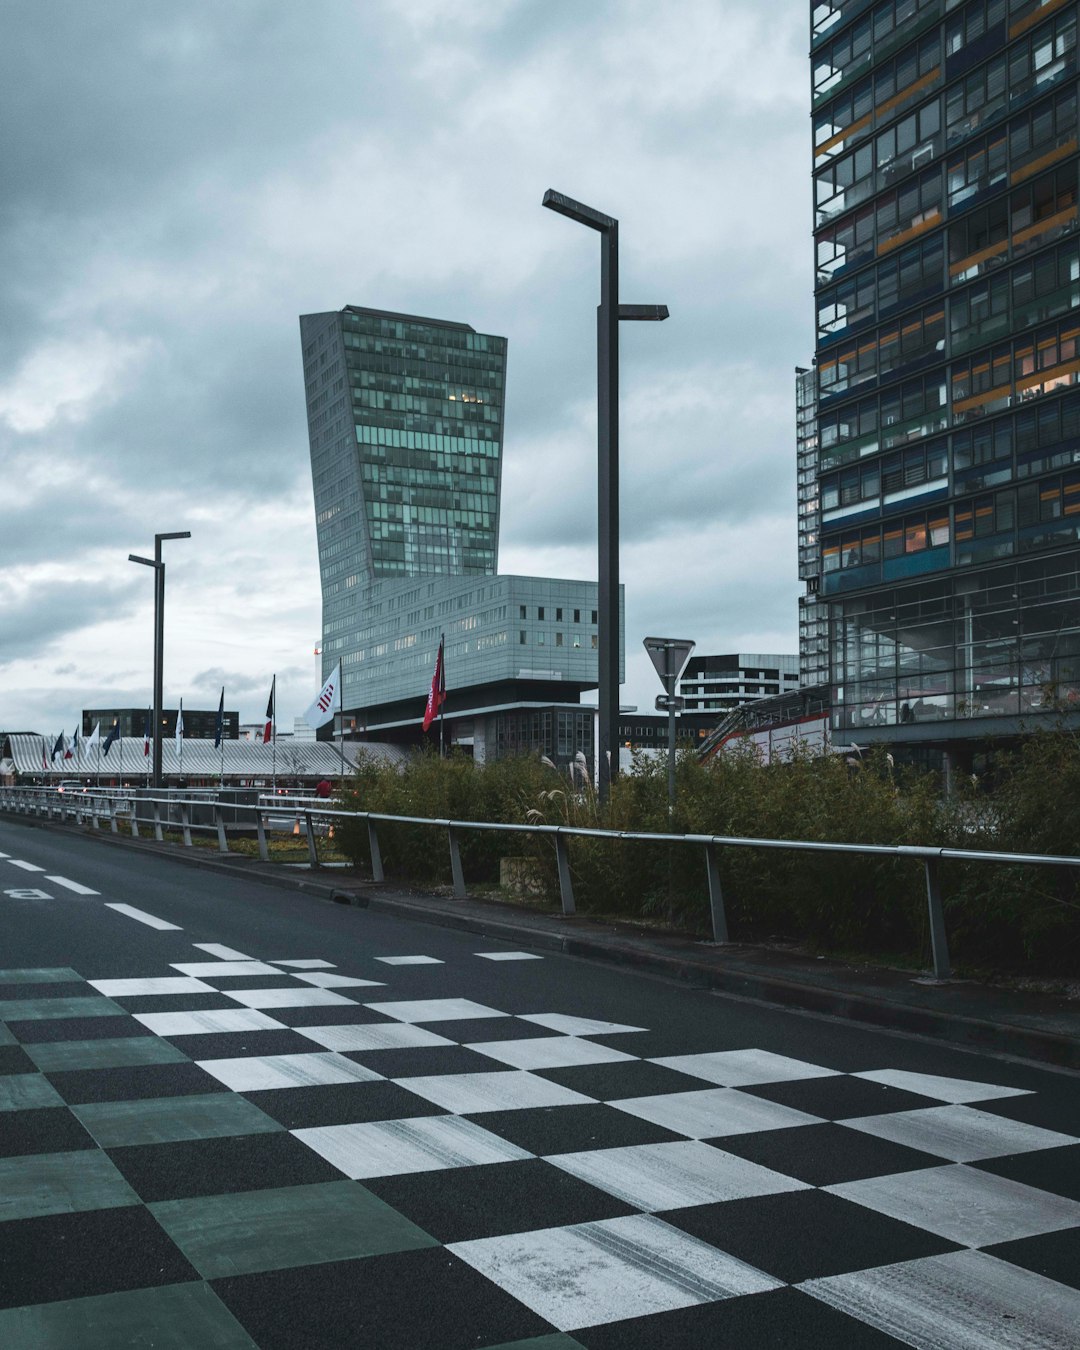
[
  {"x": 94, "y": 812},
  {"x": 455, "y": 864},
  {"x": 113, "y": 825},
  {"x": 158, "y": 835},
  {"x": 219, "y": 818},
  {"x": 377, "y": 873},
  {"x": 135, "y": 818},
  {"x": 260, "y": 830},
  {"x": 185, "y": 823},
  {"x": 313, "y": 852},
  {"x": 716, "y": 896},
  {"x": 566, "y": 884},
  {"x": 939, "y": 943}
]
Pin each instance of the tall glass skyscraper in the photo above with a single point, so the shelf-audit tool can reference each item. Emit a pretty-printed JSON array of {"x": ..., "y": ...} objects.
[
  {"x": 405, "y": 422},
  {"x": 948, "y": 415}
]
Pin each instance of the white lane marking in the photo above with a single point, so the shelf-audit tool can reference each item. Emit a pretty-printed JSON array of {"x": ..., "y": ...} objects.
[
  {"x": 28, "y": 893},
  {"x": 5, "y": 855},
  {"x": 143, "y": 917},
  {"x": 26, "y": 867},
  {"x": 216, "y": 949},
  {"x": 75, "y": 886}
]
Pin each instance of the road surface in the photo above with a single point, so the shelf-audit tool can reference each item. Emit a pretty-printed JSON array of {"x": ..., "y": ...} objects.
[{"x": 232, "y": 1115}]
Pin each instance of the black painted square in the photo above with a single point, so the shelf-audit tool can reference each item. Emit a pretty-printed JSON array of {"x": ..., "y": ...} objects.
[
  {"x": 825, "y": 1155},
  {"x": 132, "y": 1082},
  {"x": 572, "y": 1129},
  {"x": 250, "y": 1162},
  {"x": 840, "y": 1098},
  {"x": 53, "y": 1129},
  {"x": 460, "y": 1203},
  {"x": 425, "y": 1300},
  {"x": 341, "y": 1104},
  {"x": 803, "y": 1235},
  {"x": 65, "y": 1256}
]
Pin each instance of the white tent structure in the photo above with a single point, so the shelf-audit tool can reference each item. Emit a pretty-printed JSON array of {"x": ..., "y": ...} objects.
[{"x": 245, "y": 762}]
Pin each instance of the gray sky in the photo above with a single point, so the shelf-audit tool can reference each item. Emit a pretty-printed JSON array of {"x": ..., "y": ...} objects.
[{"x": 179, "y": 181}]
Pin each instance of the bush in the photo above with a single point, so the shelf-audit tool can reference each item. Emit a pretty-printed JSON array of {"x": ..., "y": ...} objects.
[{"x": 840, "y": 902}]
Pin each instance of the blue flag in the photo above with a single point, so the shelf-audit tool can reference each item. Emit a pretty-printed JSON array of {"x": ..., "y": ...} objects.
[
  {"x": 112, "y": 737},
  {"x": 219, "y": 730},
  {"x": 58, "y": 748}
]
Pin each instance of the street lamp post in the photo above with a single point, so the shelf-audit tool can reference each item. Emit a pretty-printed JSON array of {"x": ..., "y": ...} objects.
[
  {"x": 608, "y": 315},
  {"x": 159, "y": 636}
]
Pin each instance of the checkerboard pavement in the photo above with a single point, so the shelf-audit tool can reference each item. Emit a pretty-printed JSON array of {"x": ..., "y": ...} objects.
[{"x": 238, "y": 1152}]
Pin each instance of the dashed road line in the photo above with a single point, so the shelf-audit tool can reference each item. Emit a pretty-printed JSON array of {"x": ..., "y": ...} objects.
[
  {"x": 26, "y": 867},
  {"x": 149, "y": 919},
  {"x": 75, "y": 886}
]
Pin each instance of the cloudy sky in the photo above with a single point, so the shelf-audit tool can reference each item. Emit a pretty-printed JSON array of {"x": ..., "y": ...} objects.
[{"x": 179, "y": 181}]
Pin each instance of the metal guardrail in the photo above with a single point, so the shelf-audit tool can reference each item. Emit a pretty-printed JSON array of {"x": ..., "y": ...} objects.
[{"x": 116, "y": 806}]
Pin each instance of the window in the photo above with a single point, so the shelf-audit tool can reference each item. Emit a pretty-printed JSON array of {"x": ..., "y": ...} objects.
[
  {"x": 577, "y": 615},
  {"x": 540, "y": 612},
  {"x": 594, "y": 618},
  {"x": 522, "y": 638},
  {"x": 558, "y": 616},
  {"x": 521, "y": 611},
  {"x": 558, "y": 639}
]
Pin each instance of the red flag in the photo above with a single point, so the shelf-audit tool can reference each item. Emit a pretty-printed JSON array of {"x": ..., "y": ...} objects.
[
  {"x": 268, "y": 729},
  {"x": 437, "y": 693}
]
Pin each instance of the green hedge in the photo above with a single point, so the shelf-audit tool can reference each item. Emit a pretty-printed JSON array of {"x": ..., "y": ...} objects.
[{"x": 1008, "y": 917}]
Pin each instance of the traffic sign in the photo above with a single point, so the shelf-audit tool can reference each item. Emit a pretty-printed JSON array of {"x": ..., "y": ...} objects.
[
  {"x": 669, "y": 656},
  {"x": 669, "y": 703}
]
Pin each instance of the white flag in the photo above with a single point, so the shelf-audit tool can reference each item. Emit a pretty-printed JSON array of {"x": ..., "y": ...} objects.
[
  {"x": 93, "y": 739},
  {"x": 179, "y": 726},
  {"x": 328, "y": 702}
]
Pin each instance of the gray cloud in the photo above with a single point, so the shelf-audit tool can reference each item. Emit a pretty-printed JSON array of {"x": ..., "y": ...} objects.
[{"x": 181, "y": 182}]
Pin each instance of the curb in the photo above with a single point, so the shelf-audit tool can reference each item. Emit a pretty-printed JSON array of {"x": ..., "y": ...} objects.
[{"x": 969, "y": 1032}]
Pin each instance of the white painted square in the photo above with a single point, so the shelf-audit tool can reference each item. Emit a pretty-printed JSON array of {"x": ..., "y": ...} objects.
[
  {"x": 224, "y": 968},
  {"x": 373, "y": 1036},
  {"x": 594, "y": 1273},
  {"x": 468, "y": 1093},
  {"x": 548, "y": 1052},
  {"x": 576, "y": 1026},
  {"x": 655, "y": 1177},
  {"x": 388, "y": 1148},
  {"x": 959, "y": 1133},
  {"x": 167, "y": 984},
  {"x": 322, "y": 979},
  {"x": 955, "y": 1090},
  {"x": 410, "y": 960},
  {"x": 222, "y": 953},
  {"x": 713, "y": 1112},
  {"x": 963, "y": 1204},
  {"x": 961, "y": 1299},
  {"x": 509, "y": 956},
  {"x": 207, "y": 1021},
  {"x": 307, "y": 963},
  {"x": 285, "y": 998},
  {"x": 262, "y": 1073},
  {"x": 434, "y": 1010},
  {"x": 742, "y": 1068}
]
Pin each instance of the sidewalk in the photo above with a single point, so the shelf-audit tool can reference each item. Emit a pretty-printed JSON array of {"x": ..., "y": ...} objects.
[{"x": 1034, "y": 1026}]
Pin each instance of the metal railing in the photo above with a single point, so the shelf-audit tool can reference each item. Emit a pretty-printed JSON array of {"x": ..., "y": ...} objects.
[{"x": 116, "y": 807}]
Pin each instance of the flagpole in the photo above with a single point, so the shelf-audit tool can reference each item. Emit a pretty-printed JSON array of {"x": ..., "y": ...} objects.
[
  {"x": 442, "y": 692},
  {"x": 273, "y": 730}
]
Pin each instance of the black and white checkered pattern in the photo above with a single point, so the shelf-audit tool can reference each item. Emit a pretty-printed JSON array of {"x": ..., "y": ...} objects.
[{"x": 268, "y": 1152}]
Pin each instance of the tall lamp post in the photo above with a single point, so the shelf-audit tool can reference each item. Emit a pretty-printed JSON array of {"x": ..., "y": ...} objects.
[
  {"x": 159, "y": 635},
  {"x": 608, "y": 316}
]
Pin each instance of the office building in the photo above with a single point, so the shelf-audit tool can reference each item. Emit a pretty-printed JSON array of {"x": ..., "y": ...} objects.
[
  {"x": 200, "y": 724},
  {"x": 813, "y": 610},
  {"x": 405, "y": 420},
  {"x": 948, "y": 414},
  {"x": 717, "y": 684}
]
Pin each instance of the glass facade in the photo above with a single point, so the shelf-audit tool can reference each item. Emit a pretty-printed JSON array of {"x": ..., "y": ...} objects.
[
  {"x": 405, "y": 423},
  {"x": 948, "y": 313}
]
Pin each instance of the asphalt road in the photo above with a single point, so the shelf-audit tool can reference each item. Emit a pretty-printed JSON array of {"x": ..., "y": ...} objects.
[{"x": 236, "y": 1115}]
